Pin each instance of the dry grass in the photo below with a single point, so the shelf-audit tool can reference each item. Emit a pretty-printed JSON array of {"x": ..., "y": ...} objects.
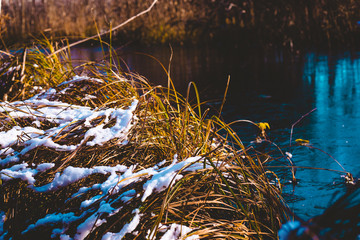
[
  {"x": 232, "y": 199},
  {"x": 280, "y": 23}
]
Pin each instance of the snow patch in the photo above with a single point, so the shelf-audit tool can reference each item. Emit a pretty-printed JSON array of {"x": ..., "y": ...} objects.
[
  {"x": 128, "y": 228},
  {"x": 178, "y": 231},
  {"x": 39, "y": 108},
  {"x": 73, "y": 174}
]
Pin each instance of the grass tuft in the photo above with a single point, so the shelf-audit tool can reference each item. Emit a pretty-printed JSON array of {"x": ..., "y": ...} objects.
[{"x": 217, "y": 189}]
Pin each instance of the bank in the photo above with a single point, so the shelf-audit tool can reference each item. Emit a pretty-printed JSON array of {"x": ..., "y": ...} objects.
[{"x": 90, "y": 152}]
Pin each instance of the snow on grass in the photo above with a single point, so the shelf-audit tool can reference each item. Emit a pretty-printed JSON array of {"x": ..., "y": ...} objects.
[
  {"x": 54, "y": 218},
  {"x": 88, "y": 97},
  {"x": 40, "y": 107},
  {"x": 16, "y": 134},
  {"x": 93, "y": 212},
  {"x": 173, "y": 232},
  {"x": 73, "y": 174},
  {"x": 119, "y": 130},
  {"x": 128, "y": 228},
  {"x": 81, "y": 78},
  {"x": 23, "y": 172},
  {"x": 177, "y": 231},
  {"x": 93, "y": 221},
  {"x": 165, "y": 177},
  {"x": 159, "y": 179},
  {"x": 45, "y": 166}
]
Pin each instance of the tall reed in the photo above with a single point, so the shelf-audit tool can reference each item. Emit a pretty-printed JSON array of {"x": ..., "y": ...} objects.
[{"x": 284, "y": 23}]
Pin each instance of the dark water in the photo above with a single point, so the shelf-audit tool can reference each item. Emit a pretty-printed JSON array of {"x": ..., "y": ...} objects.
[{"x": 277, "y": 88}]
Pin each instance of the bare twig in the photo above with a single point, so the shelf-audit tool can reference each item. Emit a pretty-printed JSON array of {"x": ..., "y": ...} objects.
[
  {"x": 312, "y": 147},
  {"x": 292, "y": 126},
  {"x": 310, "y": 168},
  {"x": 109, "y": 31}
]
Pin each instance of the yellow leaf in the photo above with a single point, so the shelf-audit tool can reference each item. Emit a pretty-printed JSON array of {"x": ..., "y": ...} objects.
[
  {"x": 302, "y": 141},
  {"x": 263, "y": 126}
]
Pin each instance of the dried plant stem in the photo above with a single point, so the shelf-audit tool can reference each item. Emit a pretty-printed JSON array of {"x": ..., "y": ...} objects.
[
  {"x": 292, "y": 126},
  {"x": 312, "y": 147},
  {"x": 109, "y": 31},
  {"x": 224, "y": 98}
]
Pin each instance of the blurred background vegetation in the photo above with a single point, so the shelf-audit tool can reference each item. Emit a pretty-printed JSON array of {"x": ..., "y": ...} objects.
[{"x": 291, "y": 23}]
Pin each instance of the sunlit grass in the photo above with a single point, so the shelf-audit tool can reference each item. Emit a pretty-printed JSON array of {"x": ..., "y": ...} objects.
[{"x": 230, "y": 197}]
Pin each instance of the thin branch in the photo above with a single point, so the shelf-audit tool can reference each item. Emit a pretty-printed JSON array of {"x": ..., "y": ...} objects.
[
  {"x": 306, "y": 167},
  {"x": 312, "y": 147},
  {"x": 111, "y": 30},
  {"x": 292, "y": 126}
]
